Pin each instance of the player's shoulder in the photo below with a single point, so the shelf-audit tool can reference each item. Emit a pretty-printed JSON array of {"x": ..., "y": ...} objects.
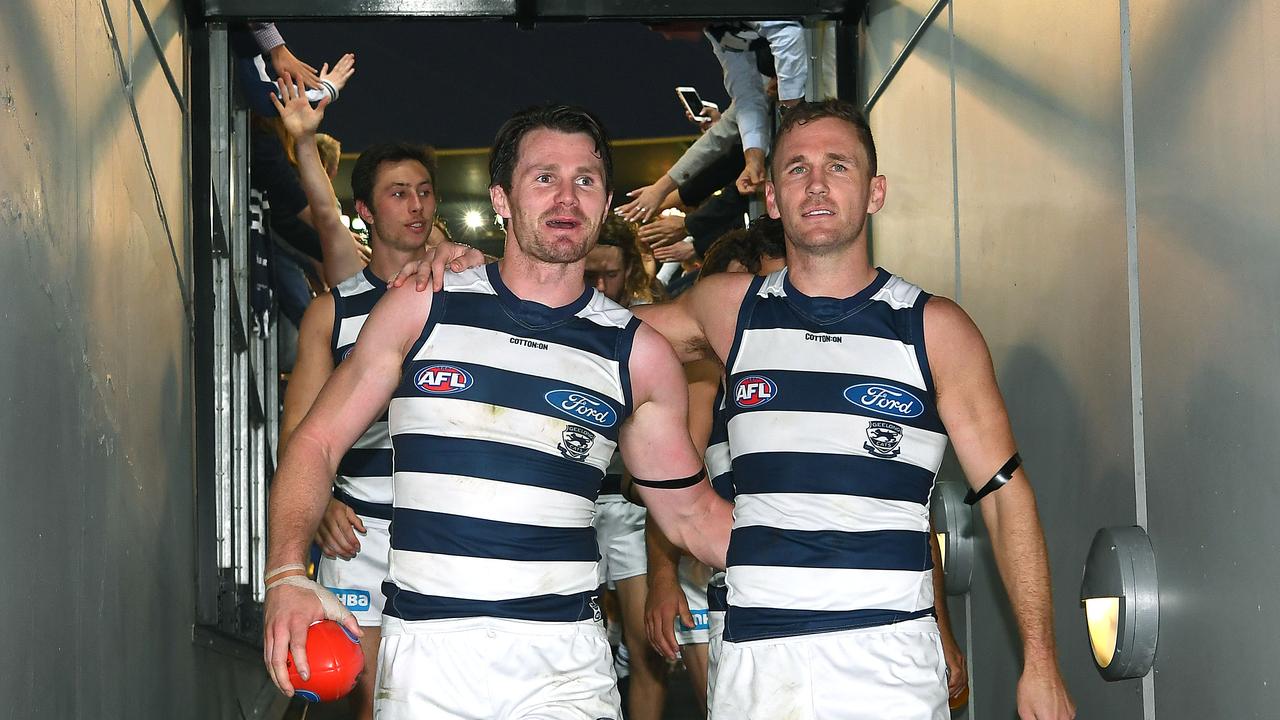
[
  {"x": 719, "y": 292},
  {"x": 319, "y": 315},
  {"x": 949, "y": 331}
]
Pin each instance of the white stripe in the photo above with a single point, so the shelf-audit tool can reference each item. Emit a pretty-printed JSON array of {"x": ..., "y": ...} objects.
[
  {"x": 465, "y": 419},
  {"x": 897, "y": 293},
  {"x": 718, "y": 459},
  {"x": 492, "y": 500},
  {"x": 787, "y": 349},
  {"x": 831, "y": 433},
  {"x": 349, "y": 329},
  {"x": 829, "y": 588},
  {"x": 355, "y": 285},
  {"x": 463, "y": 344},
  {"x": 473, "y": 578},
  {"x": 375, "y": 438},
  {"x": 811, "y": 511}
]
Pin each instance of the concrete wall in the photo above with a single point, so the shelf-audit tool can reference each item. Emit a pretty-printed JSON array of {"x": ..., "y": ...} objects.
[
  {"x": 96, "y": 440},
  {"x": 1004, "y": 141}
]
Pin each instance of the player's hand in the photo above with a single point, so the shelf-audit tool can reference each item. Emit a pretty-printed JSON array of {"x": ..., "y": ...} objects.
[
  {"x": 1042, "y": 695},
  {"x": 663, "y": 606},
  {"x": 675, "y": 252},
  {"x": 752, "y": 177},
  {"x": 429, "y": 271},
  {"x": 957, "y": 669},
  {"x": 291, "y": 608},
  {"x": 299, "y": 118},
  {"x": 341, "y": 72},
  {"x": 663, "y": 231},
  {"x": 336, "y": 535},
  {"x": 283, "y": 60},
  {"x": 648, "y": 202}
]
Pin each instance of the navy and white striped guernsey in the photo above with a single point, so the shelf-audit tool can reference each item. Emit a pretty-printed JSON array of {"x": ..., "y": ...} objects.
[
  {"x": 504, "y": 421},
  {"x": 836, "y": 441},
  {"x": 720, "y": 471},
  {"x": 364, "y": 473}
]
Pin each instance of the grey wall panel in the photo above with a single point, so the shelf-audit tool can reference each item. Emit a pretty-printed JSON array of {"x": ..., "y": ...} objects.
[
  {"x": 96, "y": 440},
  {"x": 1043, "y": 273},
  {"x": 1207, "y": 118},
  {"x": 913, "y": 234}
]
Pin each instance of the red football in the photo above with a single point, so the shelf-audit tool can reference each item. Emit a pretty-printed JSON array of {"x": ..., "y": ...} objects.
[{"x": 335, "y": 659}]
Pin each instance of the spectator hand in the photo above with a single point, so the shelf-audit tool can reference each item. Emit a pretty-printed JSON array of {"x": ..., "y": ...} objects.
[
  {"x": 648, "y": 202},
  {"x": 663, "y": 605},
  {"x": 336, "y": 535},
  {"x": 430, "y": 269},
  {"x": 675, "y": 252},
  {"x": 286, "y": 64},
  {"x": 752, "y": 178},
  {"x": 300, "y": 119},
  {"x": 341, "y": 72},
  {"x": 663, "y": 231}
]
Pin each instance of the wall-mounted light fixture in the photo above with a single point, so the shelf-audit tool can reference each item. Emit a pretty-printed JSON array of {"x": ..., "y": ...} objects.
[
  {"x": 1121, "y": 601},
  {"x": 953, "y": 523}
]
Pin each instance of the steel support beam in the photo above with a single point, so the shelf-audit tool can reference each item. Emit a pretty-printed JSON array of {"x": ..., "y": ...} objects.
[{"x": 902, "y": 55}]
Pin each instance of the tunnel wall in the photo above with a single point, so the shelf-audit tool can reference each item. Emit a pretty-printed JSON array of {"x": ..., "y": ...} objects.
[
  {"x": 96, "y": 440},
  {"x": 1131, "y": 313}
]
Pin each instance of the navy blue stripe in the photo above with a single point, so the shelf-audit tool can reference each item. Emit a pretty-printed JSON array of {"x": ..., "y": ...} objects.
[
  {"x": 408, "y": 605},
  {"x": 366, "y": 463},
  {"x": 484, "y": 311},
  {"x": 916, "y": 317},
  {"x": 612, "y": 485},
  {"x": 831, "y": 474},
  {"x": 363, "y": 507},
  {"x": 871, "y": 550},
  {"x": 361, "y": 304},
  {"x": 723, "y": 485},
  {"x": 717, "y": 597},
  {"x": 528, "y": 312},
  {"x": 873, "y": 319},
  {"x": 528, "y": 393},
  {"x": 798, "y": 391},
  {"x": 743, "y": 624},
  {"x": 626, "y": 340},
  {"x": 745, "y": 310},
  {"x": 495, "y": 461},
  {"x": 443, "y": 534}
]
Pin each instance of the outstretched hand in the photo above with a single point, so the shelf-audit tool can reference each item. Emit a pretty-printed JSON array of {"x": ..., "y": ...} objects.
[
  {"x": 283, "y": 60},
  {"x": 290, "y": 99},
  {"x": 341, "y": 72}
]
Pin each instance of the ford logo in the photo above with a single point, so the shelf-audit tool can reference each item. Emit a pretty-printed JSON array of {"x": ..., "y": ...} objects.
[
  {"x": 581, "y": 406},
  {"x": 884, "y": 399}
]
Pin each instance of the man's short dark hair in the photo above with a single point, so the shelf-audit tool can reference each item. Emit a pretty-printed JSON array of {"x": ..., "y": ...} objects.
[
  {"x": 806, "y": 112},
  {"x": 365, "y": 172},
  {"x": 561, "y": 118},
  {"x": 751, "y": 247}
]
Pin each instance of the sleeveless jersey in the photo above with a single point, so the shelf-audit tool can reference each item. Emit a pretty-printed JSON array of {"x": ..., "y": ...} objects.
[
  {"x": 836, "y": 441},
  {"x": 503, "y": 424},
  {"x": 720, "y": 471},
  {"x": 364, "y": 473}
]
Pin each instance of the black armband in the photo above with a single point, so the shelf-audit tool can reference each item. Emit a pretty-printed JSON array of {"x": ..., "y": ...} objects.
[
  {"x": 672, "y": 484},
  {"x": 1002, "y": 476}
]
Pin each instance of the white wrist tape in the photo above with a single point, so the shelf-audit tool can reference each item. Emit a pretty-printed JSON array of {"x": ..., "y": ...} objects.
[
  {"x": 332, "y": 606},
  {"x": 283, "y": 568}
]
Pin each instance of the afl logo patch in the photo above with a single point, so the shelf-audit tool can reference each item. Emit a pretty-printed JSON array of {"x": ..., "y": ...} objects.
[
  {"x": 753, "y": 391},
  {"x": 883, "y": 439},
  {"x": 581, "y": 406},
  {"x": 576, "y": 442},
  {"x": 884, "y": 399},
  {"x": 442, "y": 379}
]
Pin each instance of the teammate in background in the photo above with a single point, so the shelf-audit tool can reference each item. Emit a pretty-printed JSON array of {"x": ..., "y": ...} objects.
[
  {"x": 393, "y": 186},
  {"x": 509, "y": 391}
]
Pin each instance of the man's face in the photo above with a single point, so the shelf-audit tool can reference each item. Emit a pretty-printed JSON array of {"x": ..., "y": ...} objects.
[
  {"x": 822, "y": 188},
  {"x": 404, "y": 203},
  {"x": 606, "y": 272},
  {"x": 557, "y": 200}
]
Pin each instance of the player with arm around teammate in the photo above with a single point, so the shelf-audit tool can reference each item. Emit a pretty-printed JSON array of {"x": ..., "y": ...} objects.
[{"x": 508, "y": 391}]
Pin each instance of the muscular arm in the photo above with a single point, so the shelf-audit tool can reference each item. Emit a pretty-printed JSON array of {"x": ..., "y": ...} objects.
[
  {"x": 349, "y": 402},
  {"x": 656, "y": 446},
  {"x": 699, "y": 324},
  {"x": 312, "y": 368},
  {"x": 973, "y": 411}
]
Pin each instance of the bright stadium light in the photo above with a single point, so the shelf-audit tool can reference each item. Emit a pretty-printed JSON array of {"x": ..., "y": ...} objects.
[{"x": 473, "y": 219}]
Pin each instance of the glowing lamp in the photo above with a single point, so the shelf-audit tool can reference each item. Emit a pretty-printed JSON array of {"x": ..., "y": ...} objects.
[{"x": 1121, "y": 602}]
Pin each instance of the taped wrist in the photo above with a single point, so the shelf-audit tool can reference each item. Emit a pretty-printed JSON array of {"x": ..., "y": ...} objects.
[
  {"x": 332, "y": 606},
  {"x": 999, "y": 480},
  {"x": 283, "y": 568},
  {"x": 672, "y": 484}
]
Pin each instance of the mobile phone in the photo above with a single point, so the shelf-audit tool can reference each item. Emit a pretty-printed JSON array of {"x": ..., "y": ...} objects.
[{"x": 694, "y": 103}]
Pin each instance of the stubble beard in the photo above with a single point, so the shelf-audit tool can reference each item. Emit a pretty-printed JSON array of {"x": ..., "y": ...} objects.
[{"x": 532, "y": 237}]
